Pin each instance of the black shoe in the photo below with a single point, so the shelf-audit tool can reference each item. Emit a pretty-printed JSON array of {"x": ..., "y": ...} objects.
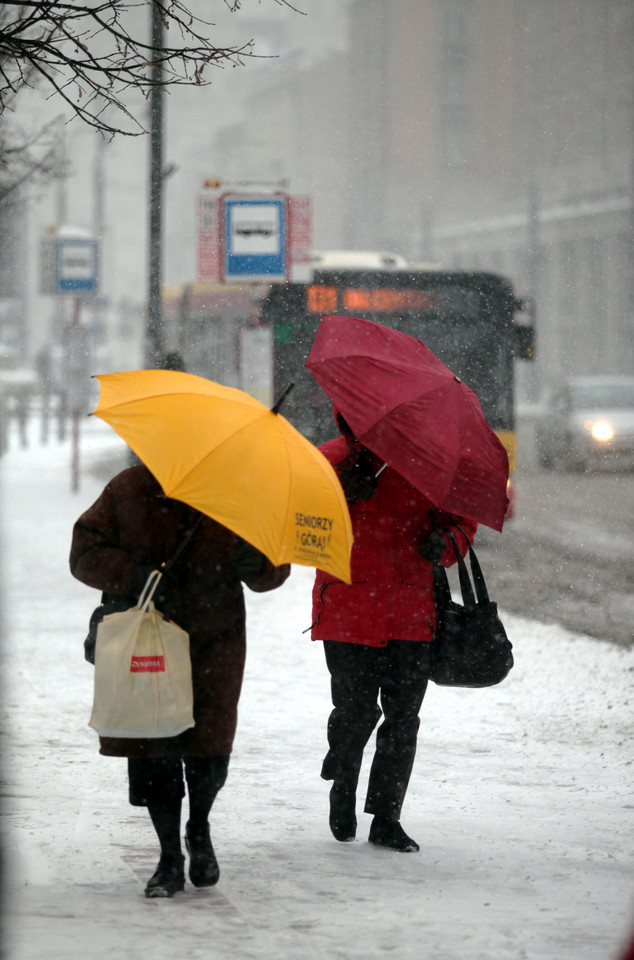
[
  {"x": 168, "y": 878},
  {"x": 203, "y": 866},
  {"x": 343, "y": 820},
  {"x": 389, "y": 833}
]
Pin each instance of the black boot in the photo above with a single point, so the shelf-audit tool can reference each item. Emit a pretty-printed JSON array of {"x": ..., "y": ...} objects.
[
  {"x": 203, "y": 866},
  {"x": 343, "y": 820},
  {"x": 168, "y": 878},
  {"x": 389, "y": 833},
  {"x": 205, "y": 777}
]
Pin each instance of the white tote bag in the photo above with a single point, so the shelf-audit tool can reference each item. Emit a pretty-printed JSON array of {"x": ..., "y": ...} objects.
[{"x": 143, "y": 673}]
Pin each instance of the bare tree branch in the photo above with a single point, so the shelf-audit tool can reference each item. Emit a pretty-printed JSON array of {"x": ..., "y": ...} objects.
[
  {"x": 34, "y": 157},
  {"x": 91, "y": 56}
]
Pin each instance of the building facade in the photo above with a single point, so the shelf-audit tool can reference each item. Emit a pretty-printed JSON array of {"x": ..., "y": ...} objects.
[{"x": 494, "y": 134}]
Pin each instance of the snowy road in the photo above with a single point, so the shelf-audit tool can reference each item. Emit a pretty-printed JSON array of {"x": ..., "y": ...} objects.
[
  {"x": 521, "y": 796},
  {"x": 567, "y": 557}
]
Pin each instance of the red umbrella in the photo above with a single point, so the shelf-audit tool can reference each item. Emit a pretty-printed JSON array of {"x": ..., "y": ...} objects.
[{"x": 409, "y": 409}]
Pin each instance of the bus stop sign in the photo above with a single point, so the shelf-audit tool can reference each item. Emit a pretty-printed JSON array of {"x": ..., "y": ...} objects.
[
  {"x": 255, "y": 238},
  {"x": 77, "y": 265},
  {"x": 69, "y": 265}
]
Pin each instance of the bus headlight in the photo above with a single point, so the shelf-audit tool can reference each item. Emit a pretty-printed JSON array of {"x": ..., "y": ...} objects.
[{"x": 600, "y": 430}]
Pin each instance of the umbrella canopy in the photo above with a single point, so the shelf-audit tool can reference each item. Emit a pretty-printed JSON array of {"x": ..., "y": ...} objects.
[
  {"x": 226, "y": 454},
  {"x": 409, "y": 409}
]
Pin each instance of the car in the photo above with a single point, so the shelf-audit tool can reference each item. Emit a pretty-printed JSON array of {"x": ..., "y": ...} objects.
[{"x": 587, "y": 422}]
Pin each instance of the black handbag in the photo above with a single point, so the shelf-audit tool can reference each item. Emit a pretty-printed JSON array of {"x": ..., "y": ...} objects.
[{"x": 470, "y": 647}]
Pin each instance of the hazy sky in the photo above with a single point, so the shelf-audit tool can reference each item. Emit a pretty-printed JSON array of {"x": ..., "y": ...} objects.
[{"x": 193, "y": 115}]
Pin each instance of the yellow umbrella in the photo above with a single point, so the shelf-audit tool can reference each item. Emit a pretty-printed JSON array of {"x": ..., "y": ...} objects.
[{"x": 226, "y": 454}]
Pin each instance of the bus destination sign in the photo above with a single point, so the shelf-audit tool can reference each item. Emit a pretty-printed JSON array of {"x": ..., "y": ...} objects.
[{"x": 323, "y": 299}]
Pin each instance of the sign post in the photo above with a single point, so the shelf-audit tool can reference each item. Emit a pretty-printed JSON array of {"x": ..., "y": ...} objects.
[
  {"x": 70, "y": 266},
  {"x": 76, "y": 378},
  {"x": 256, "y": 361},
  {"x": 208, "y": 222},
  {"x": 300, "y": 238}
]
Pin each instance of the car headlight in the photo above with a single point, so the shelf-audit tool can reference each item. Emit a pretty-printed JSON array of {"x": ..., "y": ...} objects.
[{"x": 600, "y": 430}]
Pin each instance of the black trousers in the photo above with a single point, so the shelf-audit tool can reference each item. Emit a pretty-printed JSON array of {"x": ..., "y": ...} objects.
[
  {"x": 160, "y": 780},
  {"x": 395, "y": 675}
]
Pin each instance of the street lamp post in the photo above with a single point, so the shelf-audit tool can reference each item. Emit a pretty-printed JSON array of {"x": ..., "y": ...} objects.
[{"x": 154, "y": 347}]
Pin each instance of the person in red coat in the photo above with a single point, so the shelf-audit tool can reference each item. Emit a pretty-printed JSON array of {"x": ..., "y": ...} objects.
[
  {"x": 376, "y": 633},
  {"x": 130, "y": 530}
]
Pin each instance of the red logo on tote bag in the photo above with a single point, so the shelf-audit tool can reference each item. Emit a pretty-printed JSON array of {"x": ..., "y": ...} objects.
[{"x": 147, "y": 665}]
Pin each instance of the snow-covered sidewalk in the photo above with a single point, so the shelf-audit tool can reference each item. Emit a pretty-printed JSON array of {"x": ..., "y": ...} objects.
[{"x": 521, "y": 796}]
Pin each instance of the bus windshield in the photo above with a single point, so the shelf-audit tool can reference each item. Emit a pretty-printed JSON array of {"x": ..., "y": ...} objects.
[{"x": 466, "y": 319}]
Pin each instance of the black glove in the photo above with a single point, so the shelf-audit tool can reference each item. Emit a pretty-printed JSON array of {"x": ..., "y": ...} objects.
[
  {"x": 357, "y": 477},
  {"x": 248, "y": 563},
  {"x": 433, "y": 547}
]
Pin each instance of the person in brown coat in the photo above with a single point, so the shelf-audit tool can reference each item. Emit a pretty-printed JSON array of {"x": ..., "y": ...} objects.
[{"x": 130, "y": 530}]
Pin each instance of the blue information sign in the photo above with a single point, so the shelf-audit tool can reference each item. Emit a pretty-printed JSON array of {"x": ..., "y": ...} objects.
[
  {"x": 77, "y": 265},
  {"x": 255, "y": 238}
]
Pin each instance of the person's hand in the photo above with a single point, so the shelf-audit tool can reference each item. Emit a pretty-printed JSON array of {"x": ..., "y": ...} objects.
[
  {"x": 433, "y": 547},
  {"x": 247, "y": 562},
  {"x": 358, "y": 479}
]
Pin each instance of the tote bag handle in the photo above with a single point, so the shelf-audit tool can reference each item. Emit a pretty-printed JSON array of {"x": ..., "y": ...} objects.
[{"x": 147, "y": 593}]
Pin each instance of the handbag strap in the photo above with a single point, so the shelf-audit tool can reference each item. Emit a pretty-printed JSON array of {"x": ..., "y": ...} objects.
[
  {"x": 165, "y": 566},
  {"x": 469, "y": 598},
  {"x": 442, "y": 590},
  {"x": 155, "y": 576},
  {"x": 476, "y": 571}
]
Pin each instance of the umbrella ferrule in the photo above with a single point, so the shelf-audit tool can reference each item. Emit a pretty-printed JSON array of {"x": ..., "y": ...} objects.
[{"x": 277, "y": 406}]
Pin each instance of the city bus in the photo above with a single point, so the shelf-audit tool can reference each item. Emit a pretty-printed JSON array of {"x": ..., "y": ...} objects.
[{"x": 257, "y": 336}]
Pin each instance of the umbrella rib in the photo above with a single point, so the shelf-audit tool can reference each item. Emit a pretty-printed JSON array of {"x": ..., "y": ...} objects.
[
  {"x": 171, "y": 393},
  {"x": 246, "y": 426},
  {"x": 396, "y": 406},
  {"x": 235, "y": 433},
  {"x": 288, "y": 473}
]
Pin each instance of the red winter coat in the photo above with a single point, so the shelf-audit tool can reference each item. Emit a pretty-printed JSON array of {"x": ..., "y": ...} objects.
[{"x": 392, "y": 591}]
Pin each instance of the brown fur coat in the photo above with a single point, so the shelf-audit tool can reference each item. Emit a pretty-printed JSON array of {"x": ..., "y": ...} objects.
[{"x": 129, "y": 530}]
